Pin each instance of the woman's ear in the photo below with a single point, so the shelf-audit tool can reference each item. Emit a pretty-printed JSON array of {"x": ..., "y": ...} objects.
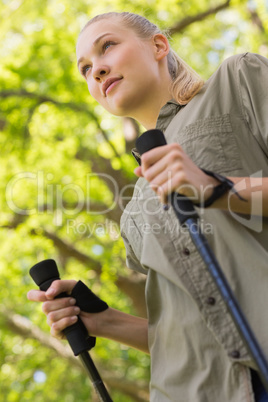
[{"x": 161, "y": 46}]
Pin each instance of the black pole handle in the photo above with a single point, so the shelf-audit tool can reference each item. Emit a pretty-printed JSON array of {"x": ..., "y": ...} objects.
[
  {"x": 43, "y": 274},
  {"x": 183, "y": 207}
]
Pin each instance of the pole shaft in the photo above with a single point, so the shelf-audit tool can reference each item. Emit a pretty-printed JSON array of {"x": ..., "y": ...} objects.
[
  {"x": 239, "y": 319},
  {"x": 95, "y": 377}
]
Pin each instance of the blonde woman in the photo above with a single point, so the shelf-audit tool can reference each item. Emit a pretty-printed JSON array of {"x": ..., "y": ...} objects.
[{"x": 220, "y": 126}]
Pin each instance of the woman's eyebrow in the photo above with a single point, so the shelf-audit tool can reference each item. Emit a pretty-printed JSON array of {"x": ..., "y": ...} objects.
[
  {"x": 100, "y": 37},
  {"x": 96, "y": 41}
]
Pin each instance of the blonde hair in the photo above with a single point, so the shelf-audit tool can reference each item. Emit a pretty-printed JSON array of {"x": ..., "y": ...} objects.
[{"x": 186, "y": 83}]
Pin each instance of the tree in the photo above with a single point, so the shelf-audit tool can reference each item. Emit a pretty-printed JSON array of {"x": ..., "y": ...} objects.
[{"x": 66, "y": 174}]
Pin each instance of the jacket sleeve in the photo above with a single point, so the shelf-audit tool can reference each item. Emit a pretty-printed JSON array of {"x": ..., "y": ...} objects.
[
  {"x": 131, "y": 259},
  {"x": 253, "y": 87}
]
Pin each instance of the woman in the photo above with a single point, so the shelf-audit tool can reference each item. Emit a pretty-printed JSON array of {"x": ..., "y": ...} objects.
[{"x": 196, "y": 352}]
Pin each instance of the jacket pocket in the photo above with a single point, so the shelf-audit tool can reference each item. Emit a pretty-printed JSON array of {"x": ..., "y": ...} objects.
[{"x": 211, "y": 145}]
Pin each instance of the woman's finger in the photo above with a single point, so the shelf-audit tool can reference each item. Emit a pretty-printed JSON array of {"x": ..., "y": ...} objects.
[
  {"x": 167, "y": 162},
  {"x": 36, "y": 295},
  {"x": 138, "y": 171},
  {"x": 59, "y": 326},
  {"x": 151, "y": 157},
  {"x": 60, "y": 286},
  {"x": 58, "y": 315},
  {"x": 57, "y": 304}
]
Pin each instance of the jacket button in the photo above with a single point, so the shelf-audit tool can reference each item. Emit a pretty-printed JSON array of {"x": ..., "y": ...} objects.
[
  {"x": 235, "y": 354},
  {"x": 186, "y": 251},
  {"x": 211, "y": 301}
]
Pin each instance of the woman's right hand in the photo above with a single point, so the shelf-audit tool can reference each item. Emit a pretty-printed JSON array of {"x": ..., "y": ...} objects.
[
  {"x": 110, "y": 323},
  {"x": 62, "y": 312}
]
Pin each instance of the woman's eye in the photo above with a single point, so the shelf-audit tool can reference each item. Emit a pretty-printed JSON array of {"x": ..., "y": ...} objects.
[
  {"x": 85, "y": 69},
  {"x": 107, "y": 44}
]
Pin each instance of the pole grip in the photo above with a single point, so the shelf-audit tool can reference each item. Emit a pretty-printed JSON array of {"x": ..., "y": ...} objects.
[
  {"x": 183, "y": 207},
  {"x": 43, "y": 274}
]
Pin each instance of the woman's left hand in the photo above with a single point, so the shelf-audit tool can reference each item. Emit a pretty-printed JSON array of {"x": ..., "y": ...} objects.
[{"x": 168, "y": 168}]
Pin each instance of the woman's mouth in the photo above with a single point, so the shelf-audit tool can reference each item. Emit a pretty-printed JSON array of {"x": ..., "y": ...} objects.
[{"x": 109, "y": 84}]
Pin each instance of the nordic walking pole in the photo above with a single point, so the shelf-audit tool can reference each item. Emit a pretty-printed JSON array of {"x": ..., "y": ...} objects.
[
  {"x": 43, "y": 274},
  {"x": 188, "y": 216}
]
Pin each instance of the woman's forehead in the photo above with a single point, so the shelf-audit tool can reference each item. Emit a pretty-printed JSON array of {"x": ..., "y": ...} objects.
[
  {"x": 93, "y": 33},
  {"x": 100, "y": 27}
]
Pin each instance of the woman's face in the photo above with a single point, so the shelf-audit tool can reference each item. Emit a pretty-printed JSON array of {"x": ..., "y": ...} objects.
[{"x": 120, "y": 69}]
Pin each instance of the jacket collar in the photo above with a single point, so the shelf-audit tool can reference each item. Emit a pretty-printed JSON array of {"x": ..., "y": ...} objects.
[{"x": 167, "y": 113}]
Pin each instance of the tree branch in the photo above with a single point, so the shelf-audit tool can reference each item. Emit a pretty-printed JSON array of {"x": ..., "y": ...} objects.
[
  {"x": 99, "y": 164},
  {"x": 185, "y": 22},
  {"x": 71, "y": 105},
  {"x": 105, "y": 136},
  {"x": 70, "y": 251},
  {"x": 131, "y": 131},
  {"x": 22, "y": 93},
  {"x": 256, "y": 20},
  {"x": 29, "y": 118}
]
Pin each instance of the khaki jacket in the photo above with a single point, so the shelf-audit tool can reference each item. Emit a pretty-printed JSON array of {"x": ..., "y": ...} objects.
[{"x": 197, "y": 354}]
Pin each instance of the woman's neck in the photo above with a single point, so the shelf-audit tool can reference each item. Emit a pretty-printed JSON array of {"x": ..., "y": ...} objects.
[{"x": 149, "y": 113}]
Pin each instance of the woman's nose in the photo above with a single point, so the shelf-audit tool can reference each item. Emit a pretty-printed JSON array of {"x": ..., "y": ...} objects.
[{"x": 100, "y": 72}]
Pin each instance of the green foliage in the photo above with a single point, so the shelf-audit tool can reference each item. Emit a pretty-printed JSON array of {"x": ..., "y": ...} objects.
[{"x": 62, "y": 161}]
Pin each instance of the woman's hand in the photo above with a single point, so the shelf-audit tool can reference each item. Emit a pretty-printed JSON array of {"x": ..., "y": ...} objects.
[
  {"x": 168, "y": 168},
  {"x": 61, "y": 312},
  {"x": 110, "y": 323}
]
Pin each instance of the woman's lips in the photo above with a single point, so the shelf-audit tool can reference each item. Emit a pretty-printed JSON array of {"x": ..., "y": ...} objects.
[{"x": 111, "y": 85}]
